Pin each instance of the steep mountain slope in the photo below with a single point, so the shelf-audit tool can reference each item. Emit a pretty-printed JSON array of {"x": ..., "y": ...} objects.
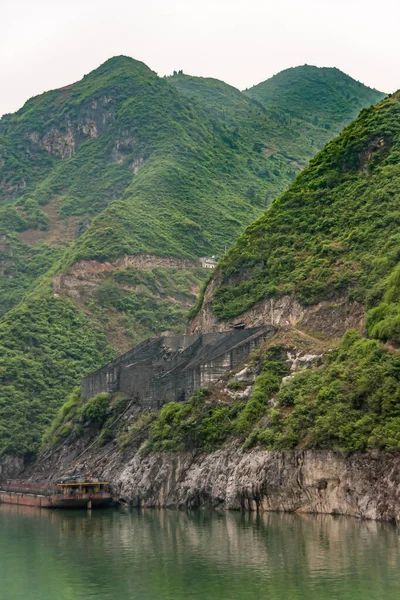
[
  {"x": 289, "y": 117},
  {"x": 310, "y": 422},
  {"x": 325, "y": 258},
  {"x": 333, "y": 232},
  {"x": 318, "y": 101},
  {"x": 112, "y": 188},
  {"x": 79, "y": 148},
  {"x": 253, "y": 128},
  {"x": 150, "y": 187}
]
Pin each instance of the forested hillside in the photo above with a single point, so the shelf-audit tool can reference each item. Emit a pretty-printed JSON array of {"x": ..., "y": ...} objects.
[
  {"x": 259, "y": 131},
  {"x": 122, "y": 136},
  {"x": 318, "y": 102},
  {"x": 111, "y": 189},
  {"x": 289, "y": 117},
  {"x": 331, "y": 240}
]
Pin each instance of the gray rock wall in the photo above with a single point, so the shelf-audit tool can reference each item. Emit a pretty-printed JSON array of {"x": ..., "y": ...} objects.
[
  {"x": 363, "y": 485},
  {"x": 359, "y": 485},
  {"x": 10, "y": 467}
]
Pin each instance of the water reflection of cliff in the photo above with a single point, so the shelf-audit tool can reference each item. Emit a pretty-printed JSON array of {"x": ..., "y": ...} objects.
[{"x": 166, "y": 554}]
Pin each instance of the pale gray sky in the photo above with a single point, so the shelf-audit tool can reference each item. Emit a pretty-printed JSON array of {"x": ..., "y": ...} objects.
[{"x": 45, "y": 44}]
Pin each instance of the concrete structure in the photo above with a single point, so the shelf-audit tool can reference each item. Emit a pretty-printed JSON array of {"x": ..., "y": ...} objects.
[
  {"x": 171, "y": 368},
  {"x": 208, "y": 262}
]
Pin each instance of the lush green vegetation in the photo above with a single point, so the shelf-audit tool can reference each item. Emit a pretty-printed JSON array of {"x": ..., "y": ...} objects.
[
  {"x": 159, "y": 178},
  {"x": 120, "y": 163},
  {"x": 285, "y": 120},
  {"x": 318, "y": 101},
  {"x": 204, "y": 167},
  {"x": 334, "y": 232},
  {"x": 46, "y": 346},
  {"x": 277, "y": 152},
  {"x": 22, "y": 265},
  {"x": 351, "y": 402},
  {"x": 62, "y": 424},
  {"x": 95, "y": 417}
]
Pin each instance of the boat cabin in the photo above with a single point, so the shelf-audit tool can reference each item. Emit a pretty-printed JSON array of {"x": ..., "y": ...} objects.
[
  {"x": 78, "y": 484},
  {"x": 75, "y": 491},
  {"x": 83, "y": 487}
]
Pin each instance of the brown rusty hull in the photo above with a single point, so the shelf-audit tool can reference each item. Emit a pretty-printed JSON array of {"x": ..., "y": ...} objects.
[
  {"x": 81, "y": 501},
  {"x": 56, "y": 500},
  {"x": 21, "y": 499}
]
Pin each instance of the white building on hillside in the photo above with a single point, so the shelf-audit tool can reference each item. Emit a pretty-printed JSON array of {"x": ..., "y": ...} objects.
[{"x": 208, "y": 262}]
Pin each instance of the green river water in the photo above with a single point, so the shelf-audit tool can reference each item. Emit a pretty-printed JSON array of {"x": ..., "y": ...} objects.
[{"x": 173, "y": 555}]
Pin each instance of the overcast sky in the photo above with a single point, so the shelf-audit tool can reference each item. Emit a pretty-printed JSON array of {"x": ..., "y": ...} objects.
[{"x": 45, "y": 44}]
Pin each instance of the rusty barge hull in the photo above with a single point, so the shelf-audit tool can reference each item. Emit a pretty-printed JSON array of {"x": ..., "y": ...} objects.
[
  {"x": 21, "y": 499},
  {"x": 95, "y": 500},
  {"x": 56, "y": 500}
]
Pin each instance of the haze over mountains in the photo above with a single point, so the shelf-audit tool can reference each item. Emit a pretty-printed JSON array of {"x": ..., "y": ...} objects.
[{"x": 112, "y": 188}]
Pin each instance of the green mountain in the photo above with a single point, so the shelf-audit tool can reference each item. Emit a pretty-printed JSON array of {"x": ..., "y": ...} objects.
[
  {"x": 318, "y": 102},
  {"x": 68, "y": 153},
  {"x": 111, "y": 189},
  {"x": 331, "y": 243},
  {"x": 289, "y": 118},
  {"x": 80, "y": 148}
]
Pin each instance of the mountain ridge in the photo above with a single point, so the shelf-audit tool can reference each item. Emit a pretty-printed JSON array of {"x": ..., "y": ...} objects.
[{"x": 117, "y": 165}]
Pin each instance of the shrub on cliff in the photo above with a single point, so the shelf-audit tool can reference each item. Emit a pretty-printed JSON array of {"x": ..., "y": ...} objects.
[
  {"x": 351, "y": 402},
  {"x": 95, "y": 409}
]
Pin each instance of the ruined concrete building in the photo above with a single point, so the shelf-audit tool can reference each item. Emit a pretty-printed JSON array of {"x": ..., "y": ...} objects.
[
  {"x": 171, "y": 368},
  {"x": 208, "y": 262}
]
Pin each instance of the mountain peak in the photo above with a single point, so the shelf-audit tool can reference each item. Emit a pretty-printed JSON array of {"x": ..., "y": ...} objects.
[
  {"x": 332, "y": 74},
  {"x": 120, "y": 62},
  {"x": 321, "y": 95}
]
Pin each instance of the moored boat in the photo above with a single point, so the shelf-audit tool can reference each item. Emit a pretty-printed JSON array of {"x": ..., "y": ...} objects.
[{"x": 77, "y": 491}]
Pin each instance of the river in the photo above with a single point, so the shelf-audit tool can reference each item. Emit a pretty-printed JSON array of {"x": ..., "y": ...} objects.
[{"x": 172, "y": 555}]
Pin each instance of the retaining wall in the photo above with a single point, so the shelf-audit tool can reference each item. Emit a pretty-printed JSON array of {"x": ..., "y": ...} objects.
[{"x": 171, "y": 368}]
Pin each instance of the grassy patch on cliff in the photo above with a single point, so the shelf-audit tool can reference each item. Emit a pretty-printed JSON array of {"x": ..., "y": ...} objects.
[{"x": 96, "y": 417}]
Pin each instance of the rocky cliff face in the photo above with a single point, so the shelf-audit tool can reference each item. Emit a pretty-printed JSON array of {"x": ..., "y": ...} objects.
[
  {"x": 94, "y": 118},
  {"x": 10, "y": 467},
  {"x": 328, "y": 318},
  {"x": 363, "y": 485}
]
